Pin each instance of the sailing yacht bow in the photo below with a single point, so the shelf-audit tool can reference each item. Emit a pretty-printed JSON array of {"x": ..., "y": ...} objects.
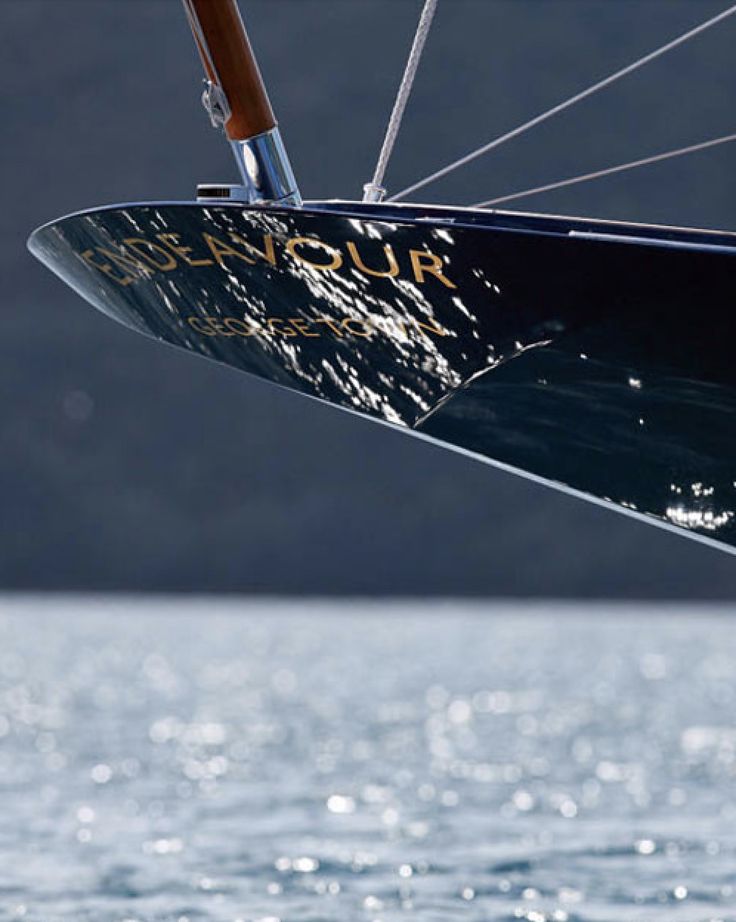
[{"x": 593, "y": 356}]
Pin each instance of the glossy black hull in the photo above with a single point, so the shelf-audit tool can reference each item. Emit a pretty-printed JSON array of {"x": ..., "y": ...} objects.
[{"x": 593, "y": 356}]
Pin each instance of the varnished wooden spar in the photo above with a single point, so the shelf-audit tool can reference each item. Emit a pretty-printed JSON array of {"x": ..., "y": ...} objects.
[
  {"x": 229, "y": 62},
  {"x": 236, "y": 99}
]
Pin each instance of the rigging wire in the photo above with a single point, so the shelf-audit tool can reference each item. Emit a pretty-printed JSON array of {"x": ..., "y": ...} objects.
[
  {"x": 681, "y": 39},
  {"x": 584, "y": 177},
  {"x": 374, "y": 190}
]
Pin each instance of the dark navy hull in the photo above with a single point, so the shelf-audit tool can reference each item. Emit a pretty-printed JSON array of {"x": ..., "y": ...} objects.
[{"x": 597, "y": 357}]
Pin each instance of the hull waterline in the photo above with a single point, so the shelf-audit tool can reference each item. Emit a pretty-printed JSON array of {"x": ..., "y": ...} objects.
[{"x": 594, "y": 357}]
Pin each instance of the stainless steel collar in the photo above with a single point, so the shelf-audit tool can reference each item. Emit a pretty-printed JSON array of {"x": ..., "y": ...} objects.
[{"x": 265, "y": 169}]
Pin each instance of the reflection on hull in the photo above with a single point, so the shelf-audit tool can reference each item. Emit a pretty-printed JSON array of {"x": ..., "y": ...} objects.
[{"x": 593, "y": 356}]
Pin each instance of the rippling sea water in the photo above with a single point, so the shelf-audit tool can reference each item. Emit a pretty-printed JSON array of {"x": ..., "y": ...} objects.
[{"x": 209, "y": 760}]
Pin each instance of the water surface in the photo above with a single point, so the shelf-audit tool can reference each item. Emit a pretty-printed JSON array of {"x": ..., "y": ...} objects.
[{"x": 215, "y": 761}]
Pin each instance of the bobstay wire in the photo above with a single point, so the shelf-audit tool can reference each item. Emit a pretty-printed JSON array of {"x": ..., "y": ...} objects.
[{"x": 374, "y": 191}]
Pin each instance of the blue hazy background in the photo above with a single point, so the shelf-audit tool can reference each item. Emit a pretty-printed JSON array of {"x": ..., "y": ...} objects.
[{"x": 127, "y": 466}]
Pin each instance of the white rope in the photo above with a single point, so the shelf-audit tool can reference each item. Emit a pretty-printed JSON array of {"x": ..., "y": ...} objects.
[
  {"x": 566, "y": 105},
  {"x": 584, "y": 177},
  {"x": 374, "y": 191}
]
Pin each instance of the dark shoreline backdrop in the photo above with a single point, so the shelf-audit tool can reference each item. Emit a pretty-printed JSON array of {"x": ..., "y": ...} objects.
[{"x": 124, "y": 465}]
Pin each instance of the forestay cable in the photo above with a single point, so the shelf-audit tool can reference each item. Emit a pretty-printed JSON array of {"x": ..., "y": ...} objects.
[
  {"x": 584, "y": 177},
  {"x": 374, "y": 191},
  {"x": 686, "y": 36}
]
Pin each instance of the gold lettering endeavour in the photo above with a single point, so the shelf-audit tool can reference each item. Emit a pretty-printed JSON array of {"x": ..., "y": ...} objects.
[
  {"x": 424, "y": 262},
  {"x": 220, "y": 250},
  {"x": 393, "y": 265},
  {"x": 268, "y": 253},
  {"x": 335, "y": 256},
  {"x": 172, "y": 241},
  {"x": 89, "y": 258},
  {"x": 136, "y": 259},
  {"x": 151, "y": 253}
]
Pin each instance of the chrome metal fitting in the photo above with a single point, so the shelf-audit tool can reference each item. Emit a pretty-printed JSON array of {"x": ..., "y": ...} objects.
[
  {"x": 216, "y": 104},
  {"x": 373, "y": 193},
  {"x": 213, "y": 193},
  {"x": 266, "y": 171}
]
